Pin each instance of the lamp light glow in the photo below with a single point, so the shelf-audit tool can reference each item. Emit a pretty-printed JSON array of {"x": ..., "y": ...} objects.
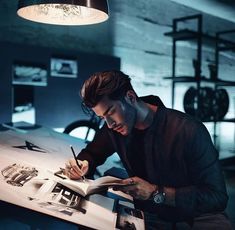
[{"x": 64, "y": 12}]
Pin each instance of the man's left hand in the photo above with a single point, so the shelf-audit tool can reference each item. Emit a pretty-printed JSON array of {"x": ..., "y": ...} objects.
[{"x": 137, "y": 188}]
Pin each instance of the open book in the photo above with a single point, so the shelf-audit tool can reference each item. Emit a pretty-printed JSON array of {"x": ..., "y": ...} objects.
[{"x": 88, "y": 187}]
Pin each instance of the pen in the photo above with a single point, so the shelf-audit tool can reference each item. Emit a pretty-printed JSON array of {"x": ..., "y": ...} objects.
[{"x": 74, "y": 155}]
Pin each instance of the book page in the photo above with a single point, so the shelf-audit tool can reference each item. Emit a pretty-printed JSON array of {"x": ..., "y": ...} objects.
[
  {"x": 87, "y": 186},
  {"x": 107, "y": 180},
  {"x": 103, "y": 183},
  {"x": 78, "y": 186}
]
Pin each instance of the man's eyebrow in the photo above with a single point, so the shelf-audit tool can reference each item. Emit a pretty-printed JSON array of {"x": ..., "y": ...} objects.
[{"x": 110, "y": 107}]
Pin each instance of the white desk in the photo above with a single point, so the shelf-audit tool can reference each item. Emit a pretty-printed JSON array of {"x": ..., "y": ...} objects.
[{"x": 39, "y": 150}]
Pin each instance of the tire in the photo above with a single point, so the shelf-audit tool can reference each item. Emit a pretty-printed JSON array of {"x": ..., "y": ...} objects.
[{"x": 82, "y": 123}]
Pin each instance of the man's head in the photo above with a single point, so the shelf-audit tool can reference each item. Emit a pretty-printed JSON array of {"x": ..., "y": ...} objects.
[{"x": 111, "y": 96}]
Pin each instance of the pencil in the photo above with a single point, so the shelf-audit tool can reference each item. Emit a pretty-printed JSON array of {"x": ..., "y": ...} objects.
[{"x": 74, "y": 155}]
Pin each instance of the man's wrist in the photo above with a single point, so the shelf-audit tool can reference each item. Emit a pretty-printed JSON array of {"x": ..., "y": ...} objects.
[
  {"x": 169, "y": 196},
  {"x": 163, "y": 195}
]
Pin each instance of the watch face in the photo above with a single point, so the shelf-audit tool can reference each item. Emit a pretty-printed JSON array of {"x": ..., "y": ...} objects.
[{"x": 158, "y": 198}]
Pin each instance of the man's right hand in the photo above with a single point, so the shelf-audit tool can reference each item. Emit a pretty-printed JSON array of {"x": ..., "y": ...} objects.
[{"x": 73, "y": 171}]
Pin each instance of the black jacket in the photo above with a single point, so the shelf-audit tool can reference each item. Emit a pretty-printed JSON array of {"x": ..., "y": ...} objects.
[{"x": 179, "y": 153}]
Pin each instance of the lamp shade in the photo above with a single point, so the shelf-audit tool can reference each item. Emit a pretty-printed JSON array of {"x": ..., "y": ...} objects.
[{"x": 64, "y": 12}]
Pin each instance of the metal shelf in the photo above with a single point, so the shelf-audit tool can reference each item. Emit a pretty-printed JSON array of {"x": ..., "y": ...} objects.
[
  {"x": 227, "y": 48},
  {"x": 228, "y": 120},
  {"x": 182, "y": 79},
  {"x": 217, "y": 82},
  {"x": 224, "y": 83},
  {"x": 183, "y": 34},
  {"x": 186, "y": 34}
]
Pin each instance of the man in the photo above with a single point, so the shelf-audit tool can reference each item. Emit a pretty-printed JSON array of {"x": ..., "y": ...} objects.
[{"x": 174, "y": 173}]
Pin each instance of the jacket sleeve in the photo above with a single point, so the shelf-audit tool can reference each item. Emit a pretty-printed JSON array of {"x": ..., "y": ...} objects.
[
  {"x": 208, "y": 192},
  {"x": 97, "y": 151}
]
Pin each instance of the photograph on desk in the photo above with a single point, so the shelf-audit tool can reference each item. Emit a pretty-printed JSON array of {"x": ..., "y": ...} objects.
[
  {"x": 56, "y": 197},
  {"x": 129, "y": 218}
]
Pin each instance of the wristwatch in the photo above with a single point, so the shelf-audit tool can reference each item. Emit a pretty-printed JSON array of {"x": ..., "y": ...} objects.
[{"x": 158, "y": 196}]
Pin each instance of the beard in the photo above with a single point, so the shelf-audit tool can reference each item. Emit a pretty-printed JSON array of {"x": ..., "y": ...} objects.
[{"x": 130, "y": 117}]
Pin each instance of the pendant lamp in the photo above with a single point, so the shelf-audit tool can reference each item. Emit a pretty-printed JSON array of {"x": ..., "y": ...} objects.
[{"x": 64, "y": 12}]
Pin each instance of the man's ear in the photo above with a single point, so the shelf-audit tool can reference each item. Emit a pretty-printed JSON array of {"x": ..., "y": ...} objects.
[{"x": 130, "y": 96}]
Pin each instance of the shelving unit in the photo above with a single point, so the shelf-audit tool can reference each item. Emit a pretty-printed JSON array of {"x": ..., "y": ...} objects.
[
  {"x": 221, "y": 44},
  {"x": 186, "y": 34}
]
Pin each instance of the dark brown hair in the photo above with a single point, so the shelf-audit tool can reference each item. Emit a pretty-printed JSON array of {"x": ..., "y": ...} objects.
[{"x": 113, "y": 84}]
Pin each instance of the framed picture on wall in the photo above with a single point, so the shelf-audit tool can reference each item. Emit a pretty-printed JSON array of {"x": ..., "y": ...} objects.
[
  {"x": 64, "y": 68},
  {"x": 29, "y": 74}
]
